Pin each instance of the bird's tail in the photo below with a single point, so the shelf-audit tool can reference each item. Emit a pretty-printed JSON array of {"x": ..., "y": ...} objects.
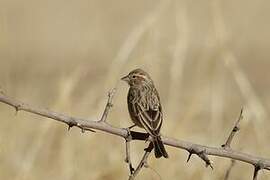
[{"x": 159, "y": 148}]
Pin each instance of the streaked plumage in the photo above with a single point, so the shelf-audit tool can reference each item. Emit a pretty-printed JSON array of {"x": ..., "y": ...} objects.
[{"x": 144, "y": 107}]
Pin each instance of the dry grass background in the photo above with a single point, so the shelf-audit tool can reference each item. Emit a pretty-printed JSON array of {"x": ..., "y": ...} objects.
[{"x": 207, "y": 58}]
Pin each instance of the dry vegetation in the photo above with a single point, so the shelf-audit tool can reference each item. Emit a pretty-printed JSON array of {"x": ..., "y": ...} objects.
[{"x": 208, "y": 59}]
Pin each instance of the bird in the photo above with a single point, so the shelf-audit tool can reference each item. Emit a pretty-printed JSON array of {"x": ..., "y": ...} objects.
[{"x": 145, "y": 108}]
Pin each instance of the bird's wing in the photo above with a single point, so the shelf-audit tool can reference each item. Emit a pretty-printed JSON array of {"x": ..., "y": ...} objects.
[{"x": 150, "y": 114}]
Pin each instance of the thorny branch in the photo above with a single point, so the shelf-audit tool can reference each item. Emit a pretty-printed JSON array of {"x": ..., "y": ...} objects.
[
  {"x": 127, "y": 159},
  {"x": 235, "y": 129},
  {"x": 108, "y": 106},
  {"x": 201, "y": 150},
  {"x": 200, "y": 153},
  {"x": 227, "y": 145},
  {"x": 228, "y": 172},
  {"x": 257, "y": 167},
  {"x": 143, "y": 162}
]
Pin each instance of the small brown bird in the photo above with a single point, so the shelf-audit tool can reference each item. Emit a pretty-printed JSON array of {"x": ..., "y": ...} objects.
[{"x": 145, "y": 108}]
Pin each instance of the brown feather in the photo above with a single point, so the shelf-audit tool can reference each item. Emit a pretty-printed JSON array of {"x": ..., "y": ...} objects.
[{"x": 144, "y": 107}]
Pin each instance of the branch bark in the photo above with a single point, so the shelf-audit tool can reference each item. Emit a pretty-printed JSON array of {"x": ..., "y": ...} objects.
[
  {"x": 143, "y": 162},
  {"x": 228, "y": 172},
  {"x": 128, "y": 159},
  {"x": 258, "y": 162},
  {"x": 235, "y": 129}
]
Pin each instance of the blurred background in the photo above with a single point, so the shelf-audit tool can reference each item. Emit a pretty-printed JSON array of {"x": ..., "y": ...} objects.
[{"x": 208, "y": 59}]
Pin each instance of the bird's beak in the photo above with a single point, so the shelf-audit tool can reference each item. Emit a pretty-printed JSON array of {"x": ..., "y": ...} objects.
[{"x": 125, "y": 78}]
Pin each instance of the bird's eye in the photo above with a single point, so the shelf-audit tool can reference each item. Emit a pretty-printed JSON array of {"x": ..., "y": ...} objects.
[{"x": 133, "y": 76}]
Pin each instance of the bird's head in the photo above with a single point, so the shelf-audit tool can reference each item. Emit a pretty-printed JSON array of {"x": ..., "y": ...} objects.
[{"x": 137, "y": 77}]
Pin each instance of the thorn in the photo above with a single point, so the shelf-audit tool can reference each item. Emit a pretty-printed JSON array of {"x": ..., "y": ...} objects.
[
  {"x": 210, "y": 166},
  {"x": 79, "y": 126},
  {"x": 205, "y": 158},
  {"x": 17, "y": 109},
  {"x": 191, "y": 151},
  {"x": 257, "y": 167},
  {"x": 189, "y": 156},
  {"x": 70, "y": 126},
  {"x": 256, "y": 171},
  {"x": 131, "y": 169},
  {"x": 83, "y": 130},
  {"x": 223, "y": 145},
  {"x": 236, "y": 128}
]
